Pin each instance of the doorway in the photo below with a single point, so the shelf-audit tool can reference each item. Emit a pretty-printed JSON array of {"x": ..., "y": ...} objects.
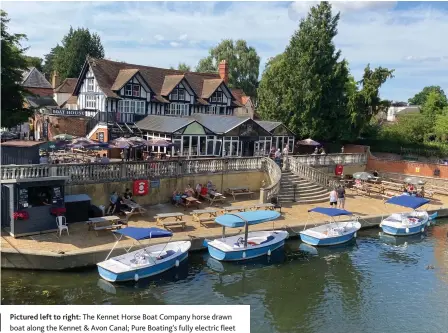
[{"x": 247, "y": 147}]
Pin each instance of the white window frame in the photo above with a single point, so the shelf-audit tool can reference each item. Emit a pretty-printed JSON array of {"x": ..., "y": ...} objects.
[
  {"x": 90, "y": 102},
  {"x": 177, "y": 109},
  {"x": 128, "y": 91},
  {"x": 174, "y": 94},
  {"x": 131, "y": 106},
  {"x": 90, "y": 84},
  {"x": 181, "y": 94},
  {"x": 133, "y": 90},
  {"x": 231, "y": 140},
  {"x": 211, "y": 109}
]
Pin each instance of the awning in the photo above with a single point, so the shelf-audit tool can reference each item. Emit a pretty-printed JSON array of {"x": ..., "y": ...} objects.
[
  {"x": 143, "y": 233},
  {"x": 408, "y": 201},
  {"x": 238, "y": 220},
  {"x": 330, "y": 211}
]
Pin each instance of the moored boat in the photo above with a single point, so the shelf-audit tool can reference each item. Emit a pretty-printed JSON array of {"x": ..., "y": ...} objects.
[
  {"x": 333, "y": 233},
  {"x": 409, "y": 223},
  {"x": 253, "y": 244},
  {"x": 146, "y": 261}
]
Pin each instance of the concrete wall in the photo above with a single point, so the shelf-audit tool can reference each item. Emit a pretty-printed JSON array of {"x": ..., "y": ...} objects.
[
  {"x": 100, "y": 193},
  {"x": 348, "y": 169}
]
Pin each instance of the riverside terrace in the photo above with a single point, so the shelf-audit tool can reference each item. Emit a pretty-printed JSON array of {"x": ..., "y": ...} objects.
[{"x": 85, "y": 248}]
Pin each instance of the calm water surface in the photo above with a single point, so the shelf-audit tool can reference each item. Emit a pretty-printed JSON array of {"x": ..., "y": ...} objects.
[{"x": 379, "y": 284}]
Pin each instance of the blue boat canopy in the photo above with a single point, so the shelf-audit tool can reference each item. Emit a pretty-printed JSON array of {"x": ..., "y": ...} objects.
[
  {"x": 143, "y": 233},
  {"x": 408, "y": 201},
  {"x": 330, "y": 211},
  {"x": 234, "y": 221}
]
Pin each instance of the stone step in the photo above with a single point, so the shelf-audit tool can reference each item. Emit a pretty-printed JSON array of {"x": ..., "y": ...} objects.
[{"x": 319, "y": 190}]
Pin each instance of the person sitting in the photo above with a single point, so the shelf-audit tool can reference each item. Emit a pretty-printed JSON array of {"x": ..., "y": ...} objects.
[
  {"x": 105, "y": 159},
  {"x": 177, "y": 198},
  {"x": 211, "y": 189},
  {"x": 128, "y": 195},
  {"x": 204, "y": 191},
  {"x": 198, "y": 189},
  {"x": 112, "y": 203},
  {"x": 375, "y": 173},
  {"x": 189, "y": 192}
]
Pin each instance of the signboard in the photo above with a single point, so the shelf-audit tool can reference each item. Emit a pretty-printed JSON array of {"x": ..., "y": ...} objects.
[
  {"x": 417, "y": 169},
  {"x": 68, "y": 113},
  {"x": 23, "y": 198},
  {"x": 57, "y": 195},
  {"x": 339, "y": 169},
  {"x": 155, "y": 183},
  {"x": 141, "y": 187},
  {"x": 101, "y": 136}
]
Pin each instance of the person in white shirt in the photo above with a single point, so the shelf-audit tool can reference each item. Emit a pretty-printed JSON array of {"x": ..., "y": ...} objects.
[
  {"x": 333, "y": 198},
  {"x": 104, "y": 159},
  {"x": 286, "y": 150},
  {"x": 278, "y": 154}
]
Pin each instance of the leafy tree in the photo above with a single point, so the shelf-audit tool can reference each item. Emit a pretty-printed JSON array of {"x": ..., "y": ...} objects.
[
  {"x": 76, "y": 46},
  {"x": 50, "y": 59},
  {"x": 441, "y": 127},
  {"x": 409, "y": 128},
  {"x": 434, "y": 104},
  {"x": 182, "y": 67},
  {"x": 243, "y": 62},
  {"x": 420, "y": 98},
  {"x": 13, "y": 64},
  {"x": 34, "y": 62}
]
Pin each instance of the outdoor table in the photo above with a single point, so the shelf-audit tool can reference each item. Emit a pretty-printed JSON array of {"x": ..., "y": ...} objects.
[
  {"x": 135, "y": 208},
  {"x": 111, "y": 223},
  {"x": 190, "y": 201},
  {"x": 212, "y": 214}
]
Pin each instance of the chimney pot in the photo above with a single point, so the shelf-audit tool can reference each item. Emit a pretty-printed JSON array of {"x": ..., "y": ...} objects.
[{"x": 55, "y": 80}]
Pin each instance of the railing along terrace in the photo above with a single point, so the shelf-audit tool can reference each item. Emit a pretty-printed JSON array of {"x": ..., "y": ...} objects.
[
  {"x": 332, "y": 159},
  {"x": 118, "y": 171},
  {"x": 275, "y": 175},
  {"x": 311, "y": 174}
]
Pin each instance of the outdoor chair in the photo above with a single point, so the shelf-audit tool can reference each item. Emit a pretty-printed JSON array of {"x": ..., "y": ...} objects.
[{"x": 62, "y": 224}]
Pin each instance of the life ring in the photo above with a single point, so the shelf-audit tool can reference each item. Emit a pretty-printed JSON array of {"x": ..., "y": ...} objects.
[{"x": 251, "y": 243}]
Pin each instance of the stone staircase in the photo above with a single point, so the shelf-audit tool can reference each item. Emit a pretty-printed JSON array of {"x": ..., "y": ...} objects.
[{"x": 306, "y": 191}]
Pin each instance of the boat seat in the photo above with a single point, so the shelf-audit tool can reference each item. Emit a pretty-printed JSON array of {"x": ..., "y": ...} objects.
[
  {"x": 166, "y": 254},
  {"x": 267, "y": 239}
]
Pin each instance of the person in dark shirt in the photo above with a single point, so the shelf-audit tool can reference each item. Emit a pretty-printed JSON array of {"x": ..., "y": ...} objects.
[
  {"x": 128, "y": 194},
  {"x": 341, "y": 197},
  {"x": 375, "y": 173}
]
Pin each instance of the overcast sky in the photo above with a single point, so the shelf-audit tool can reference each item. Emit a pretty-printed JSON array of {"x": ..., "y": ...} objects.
[{"x": 407, "y": 36}]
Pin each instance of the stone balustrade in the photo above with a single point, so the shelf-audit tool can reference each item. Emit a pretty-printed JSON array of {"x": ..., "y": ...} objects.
[
  {"x": 118, "y": 171},
  {"x": 332, "y": 159},
  {"x": 275, "y": 175},
  {"x": 311, "y": 174}
]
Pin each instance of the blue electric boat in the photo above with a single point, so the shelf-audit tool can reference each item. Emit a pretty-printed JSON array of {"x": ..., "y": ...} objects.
[
  {"x": 145, "y": 262},
  {"x": 253, "y": 244},
  {"x": 411, "y": 223},
  {"x": 333, "y": 233}
]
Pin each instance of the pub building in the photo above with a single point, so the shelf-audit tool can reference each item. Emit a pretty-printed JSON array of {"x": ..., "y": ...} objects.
[{"x": 196, "y": 111}]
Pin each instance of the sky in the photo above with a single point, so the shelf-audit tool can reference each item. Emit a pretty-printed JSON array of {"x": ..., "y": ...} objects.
[{"x": 409, "y": 37}]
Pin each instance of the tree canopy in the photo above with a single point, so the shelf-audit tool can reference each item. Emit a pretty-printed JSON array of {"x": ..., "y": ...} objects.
[
  {"x": 309, "y": 86},
  {"x": 420, "y": 98},
  {"x": 34, "y": 62},
  {"x": 243, "y": 63},
  {"x": 68, "y": 58},
  {"x": 182, "y": 67},
  {"x": 13, "y": 64}
]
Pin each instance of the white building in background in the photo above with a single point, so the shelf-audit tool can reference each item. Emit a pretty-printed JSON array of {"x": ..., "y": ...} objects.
[{"x": 396, "y": 110}]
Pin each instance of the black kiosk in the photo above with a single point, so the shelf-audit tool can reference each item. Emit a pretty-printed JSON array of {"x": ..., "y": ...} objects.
[{"x": 30, "y": 206}]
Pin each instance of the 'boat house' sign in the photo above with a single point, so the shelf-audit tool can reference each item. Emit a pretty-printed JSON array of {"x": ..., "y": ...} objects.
[{"x": 68, "y": 113}]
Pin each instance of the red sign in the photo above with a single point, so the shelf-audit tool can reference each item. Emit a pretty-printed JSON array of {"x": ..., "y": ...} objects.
[
  {"x": 339, "y": 170},
  {"x": 141, "y": 187}
]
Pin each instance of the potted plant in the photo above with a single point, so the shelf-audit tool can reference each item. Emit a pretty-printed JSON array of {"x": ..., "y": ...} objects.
[
  {"x": 57, "y": 211},
  {"x": 21, "y": 215}
]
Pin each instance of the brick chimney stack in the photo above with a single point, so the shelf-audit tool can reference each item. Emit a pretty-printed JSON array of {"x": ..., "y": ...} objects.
[
  {"x": 223, "y": 70},
  {"x": 55, "y": 80}
]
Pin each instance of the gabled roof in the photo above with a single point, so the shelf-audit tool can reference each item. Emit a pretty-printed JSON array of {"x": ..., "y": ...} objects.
[
  {"x": 123, "y": 77},
  {"x": 209, "y": 87},
  {"x": 163, "y": 124},
  {"x": 219, "y": 124},
  {"x": 71, "y": 100},
  {"x": 268, "y": 125},
  {"x": 170, "y": 82},
  {"x": 240, "y": 97},
  {"x": 67, "y": 86},
  {"x": 107, "y": 71},
  {"x": 35, "y": 79}
]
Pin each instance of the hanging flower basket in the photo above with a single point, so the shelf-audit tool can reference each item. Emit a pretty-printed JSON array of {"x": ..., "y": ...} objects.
[
  {"x": 21, "y": 215},
  {"x": 57, "y": 211}
]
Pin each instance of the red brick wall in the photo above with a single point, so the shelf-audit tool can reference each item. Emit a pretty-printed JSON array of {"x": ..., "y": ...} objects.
[
  {"x": 68, "y": 125},
  {"x": 41, "y": 91},
  {"x": 405, "y": 167}
]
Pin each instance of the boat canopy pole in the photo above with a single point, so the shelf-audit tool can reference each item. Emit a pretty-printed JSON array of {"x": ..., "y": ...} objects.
[
  {"x": 223, "y": 232},
  {"x": 114, "y": 247},
  {"x": 246, "y": 228}
]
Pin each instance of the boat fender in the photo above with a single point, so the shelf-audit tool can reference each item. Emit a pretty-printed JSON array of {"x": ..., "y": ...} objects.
[
  {"x": 356, "y": 235},
  {"x": 244, "y": 254},
  {"x": 423, "y": 229},
  {"x": 269, "y": 252},
  {"x": 136, "y": 277},
  {"x": 177, "y": 263},
  {"x": 407, "y": 230}
]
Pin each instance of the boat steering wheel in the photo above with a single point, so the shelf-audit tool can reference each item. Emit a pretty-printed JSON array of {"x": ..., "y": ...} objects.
[{"x": 240, "y": 240}]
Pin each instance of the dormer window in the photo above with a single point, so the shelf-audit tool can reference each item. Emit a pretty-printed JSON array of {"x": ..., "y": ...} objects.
[
  {"x": 178, "y": 94},
  {"x": 132, "y": 90},
  {"x": 217, "y": 96}
]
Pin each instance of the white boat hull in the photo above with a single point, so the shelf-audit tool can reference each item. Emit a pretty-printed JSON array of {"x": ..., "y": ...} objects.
[
  {"x": 405, "y": 224},
  {"x": 330, "y": 234}
]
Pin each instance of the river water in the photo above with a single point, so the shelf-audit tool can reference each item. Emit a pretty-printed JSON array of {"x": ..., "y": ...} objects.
[{"x": 378, "y": 284}]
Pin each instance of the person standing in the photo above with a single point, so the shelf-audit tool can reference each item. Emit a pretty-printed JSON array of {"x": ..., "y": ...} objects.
[
  {"x": 105, "y": 159},
  {"x": 285, "y": 156},
  {"x": 333, "y": 198},
  {"x": 341, "y": 197},
  {"x": 278, "y": 157}
]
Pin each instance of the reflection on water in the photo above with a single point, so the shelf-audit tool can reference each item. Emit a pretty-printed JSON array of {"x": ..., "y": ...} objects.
[{"x": 376, "y": 284}]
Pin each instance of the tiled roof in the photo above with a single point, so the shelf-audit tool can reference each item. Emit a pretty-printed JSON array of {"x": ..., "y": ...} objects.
[
  {"x": 202, "y": 101},
  {"x": 219, "y": 124},
  {"x": 35, "y": 79},
  {"x": 106, "y": 72},
  {"x": 123, "y": 76},
  {"x": 40, "y": 101},
  {"x": 170, "y": 82},
  {"x": 244, "y": 99},
  {"x": 71, "y": 100},
  {"x": 164, "y": 124},
  {"x": 67, "y": 86},
  {"x": 268, "y": 125},
  {"x": 238, "y": 94}
]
